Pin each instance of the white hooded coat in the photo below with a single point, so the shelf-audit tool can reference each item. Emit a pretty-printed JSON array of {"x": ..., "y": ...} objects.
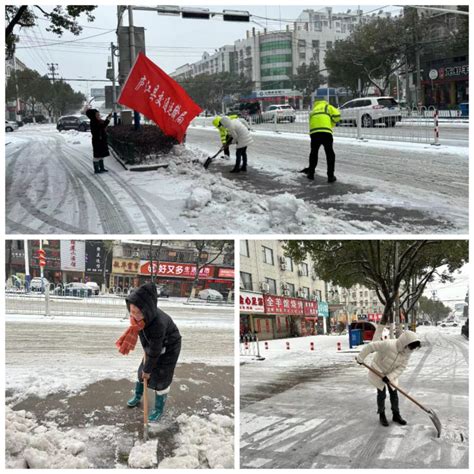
[
  {"x": 391, "y": 357},
  {"x": 238, "y": 131}
]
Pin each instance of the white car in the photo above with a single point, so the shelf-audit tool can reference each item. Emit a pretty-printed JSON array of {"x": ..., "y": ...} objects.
[
  {"x": 371, "y": 110},
  {"x": 10, "y": 126},
  {"x": 37, "y": 285},
  {"x": 94, "y": 287},
  {"x": 284, "y": 112},
  {"x": 210, "y": 295}
]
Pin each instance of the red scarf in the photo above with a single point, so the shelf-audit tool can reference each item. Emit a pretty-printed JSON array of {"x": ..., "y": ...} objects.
[{"x": 128, "y": 340}]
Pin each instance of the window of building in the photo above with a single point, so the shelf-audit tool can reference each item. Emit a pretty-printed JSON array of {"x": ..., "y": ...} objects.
[
  {"x": 268, "y": 255},
  {"x": 304, "y": 269},
  {"x": 291, "y": 289},
  {"x": 303, "y": 56},
  {"x": 246, "y": 280},
  {"x": 315, "y": 44},
  {"x": 301, "y": 43},
  {"x": 317, "y": 294},
  {"x": 279, "y": 44},
  {"x": 305, "y": 292},
  {"x": 276, "y": 58},
  {"x": 328, "y": 44},
  {"x": 289, "y": 264},
  {"x": 361, "y": 294},
  {"x": 244, "y": 248},
  {"x": 272, "y": 284}
]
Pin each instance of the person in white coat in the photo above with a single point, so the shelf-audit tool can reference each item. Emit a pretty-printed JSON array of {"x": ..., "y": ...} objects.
[
  {"x": 391, "y": 359},
  {"x": 241, "y": 138}
]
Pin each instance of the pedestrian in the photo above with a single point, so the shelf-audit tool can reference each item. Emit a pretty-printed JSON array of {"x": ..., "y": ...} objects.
[
  {"x": 239, "y": 135},
  {"x": 391, "y": 359},
  {"x": 224, "y": 134},
  {"x": 322, "y": 120},
  {"x": 161, "y": 341},
  {"x": 99, "y": 139}
]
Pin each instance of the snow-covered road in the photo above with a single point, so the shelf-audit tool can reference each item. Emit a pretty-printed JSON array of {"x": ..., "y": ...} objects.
[
  {"x": 382, "y": 187},
  {"x": 66, "y": 385},
  {"x": 303, "y": 409}
]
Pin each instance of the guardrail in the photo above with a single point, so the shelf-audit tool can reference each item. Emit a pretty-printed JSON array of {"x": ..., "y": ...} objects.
[{"x": 418, "y": 125}]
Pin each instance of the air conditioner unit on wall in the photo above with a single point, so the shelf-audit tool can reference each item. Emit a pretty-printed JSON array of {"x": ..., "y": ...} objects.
[
  {"x": 286, "y": 292},
  {"x": 282, "y": 260},
  {"x": 265, "y": 287},
  {"x": 283, "y": 266},
  {"x": 300, "y": 273},
  {"x": 314, "y": 277}
]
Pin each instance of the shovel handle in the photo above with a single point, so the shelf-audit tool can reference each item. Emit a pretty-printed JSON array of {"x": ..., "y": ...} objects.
[
  {"x": 376, "y": 372},
  {"x": 145, "y": 404}
]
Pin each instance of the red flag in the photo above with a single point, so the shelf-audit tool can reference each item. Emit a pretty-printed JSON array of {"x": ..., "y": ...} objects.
[{"x": 150, "y": 91}]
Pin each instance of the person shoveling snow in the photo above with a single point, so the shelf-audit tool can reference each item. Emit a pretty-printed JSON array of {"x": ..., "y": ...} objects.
[
  {"x": 390, "y": 360},
  {"x": 161, "y": 342}
]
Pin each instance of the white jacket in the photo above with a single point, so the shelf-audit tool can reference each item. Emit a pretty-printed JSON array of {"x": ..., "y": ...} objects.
[
  {"x": 391, "y": 357},
  {"x": 238, "y": 131}
]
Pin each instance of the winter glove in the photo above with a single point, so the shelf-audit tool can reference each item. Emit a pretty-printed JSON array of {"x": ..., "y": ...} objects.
[
  {"x": 386, "y": 380},
  {"x": 358, "y": 360},
  {"x": 229, "y": 141}
]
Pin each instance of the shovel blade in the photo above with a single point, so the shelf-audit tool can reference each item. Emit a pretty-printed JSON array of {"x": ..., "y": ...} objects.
[
  {"x": 435, "y": 420},
  {"x": 207, "y": 162}
]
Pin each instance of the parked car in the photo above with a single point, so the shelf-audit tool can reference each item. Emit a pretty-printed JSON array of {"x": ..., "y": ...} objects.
[
  {"x": 39, "y": 118},
  {"x": 10, "y": 126},
  {"x": 283, "y": 112},
  {"x": 77, "y": 289},
  {"x": 465, "y": 329},
  {"x": 210, "y": 295},
  {"x": 371, "y": 110},
  {"x": 368, "y": 329},
  {"x": 162, "y": 291},
  {"x": 37, "y": 285},
  {"x": 94, "y": 287},
  {"x": 73, "y": 122}
]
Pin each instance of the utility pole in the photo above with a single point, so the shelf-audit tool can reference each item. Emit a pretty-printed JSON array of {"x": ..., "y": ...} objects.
[
  {"x": 151, "y": 262},
  {"x": 114, "y": 92},
  {"x": 396, "y": 318},
  {"x": 53, "y": 67},
  {"x": 27, "y": 268},
  {"x": 131, "y": 38}
]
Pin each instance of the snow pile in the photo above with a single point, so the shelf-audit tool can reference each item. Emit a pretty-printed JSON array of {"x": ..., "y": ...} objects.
[
  {"x": 288, "y": 213},
  {"x": 29, "y": 445},
  {"x": 143, "y": 455},
  {"x": 198, "y": 198},
  {"x": 203, "y": 443}
]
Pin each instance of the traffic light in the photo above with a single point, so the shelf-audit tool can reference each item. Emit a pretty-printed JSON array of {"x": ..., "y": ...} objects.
[{"x": 42, "y": 257}]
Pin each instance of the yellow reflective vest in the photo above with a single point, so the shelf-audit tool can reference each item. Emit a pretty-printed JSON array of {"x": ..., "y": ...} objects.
[
  {"x": 222, "y": 130},
  {"x": 323, "y": 117}
]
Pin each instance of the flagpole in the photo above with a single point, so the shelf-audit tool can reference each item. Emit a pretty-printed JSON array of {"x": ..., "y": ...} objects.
[{"x": 131, "y": 35}]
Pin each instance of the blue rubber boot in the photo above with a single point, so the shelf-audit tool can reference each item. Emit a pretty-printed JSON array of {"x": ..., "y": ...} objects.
[
  {"x": 157, "y": 412},
  {"x": 133, "y": 402}
]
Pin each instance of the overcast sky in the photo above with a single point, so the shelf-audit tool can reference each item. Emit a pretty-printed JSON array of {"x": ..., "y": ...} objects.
[{"x": 170, "y": 41}]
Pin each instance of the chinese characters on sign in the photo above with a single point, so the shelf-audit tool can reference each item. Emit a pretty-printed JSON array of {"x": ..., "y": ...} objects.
[
  {"x": 283, "y": 305},
  {"x": 150, "y": 91},
  {"x": 251, "y": 303},
  {"x": 73, "y": 255},
  {"x": 311, "y": 308},
  {"x": 375, "y": 317},
  {"x": 94, "y": 257},
  {"x": 174, "y": 270}
]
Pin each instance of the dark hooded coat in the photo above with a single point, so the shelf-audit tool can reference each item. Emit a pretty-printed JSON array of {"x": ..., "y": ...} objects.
[
  {"x": 99, "y": 134},
  {"x": 160, "y": 338}
]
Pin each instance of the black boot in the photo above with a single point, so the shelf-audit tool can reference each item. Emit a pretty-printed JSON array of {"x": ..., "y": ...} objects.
[
  {"x": 331, "y": 179},
  {"x": 304, "y": 170},
  {"x": 96, "y": 167},
  {"x": 235, "y": 170},
  {"x": 310, "y": 176},
  {"x": 101, "y": 167},
  {"x": 397, "y": 418},
  {"x": 383, "y": 419},
  {"x": 244, "y": 168}
]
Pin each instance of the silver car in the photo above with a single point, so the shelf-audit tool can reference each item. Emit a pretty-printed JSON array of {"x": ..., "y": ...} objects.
[
  {"x": 371, "y": 111},
  {"x": 281, "y": 113},
  {"x": 10, "y": 126}
]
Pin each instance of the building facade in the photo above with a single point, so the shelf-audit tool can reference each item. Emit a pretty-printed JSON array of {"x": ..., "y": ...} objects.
[{"x": 279, "y": 298}]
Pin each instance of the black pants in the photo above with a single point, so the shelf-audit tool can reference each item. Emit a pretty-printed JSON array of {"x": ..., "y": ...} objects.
[
  {"x": 326, "y": 140},
  {"x": 241, "y": 154},
  {"x": 381, "y": 394},
  {"x": 227, "y": 151}
]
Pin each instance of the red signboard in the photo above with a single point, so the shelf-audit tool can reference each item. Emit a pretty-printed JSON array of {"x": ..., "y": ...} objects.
[
  {"x": 182, "y": 270},
  {"x": 310, "y": 308},
  {"x": 283, "y": 305},
  {"x": 226, "y": 273},
  {"x": 375, "y": 317}
]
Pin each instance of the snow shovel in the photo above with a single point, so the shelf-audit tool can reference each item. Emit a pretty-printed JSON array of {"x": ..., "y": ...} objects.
[
  {"x": 210, "y": 159},
  {"x": 434, "y": 418},
  {"x": 145, "y": 409}
]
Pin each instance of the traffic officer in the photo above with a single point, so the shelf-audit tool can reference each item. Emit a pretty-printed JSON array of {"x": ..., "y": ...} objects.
[
  {"x": 322, "y": 120},
  {"x": 223, "y": 132}
]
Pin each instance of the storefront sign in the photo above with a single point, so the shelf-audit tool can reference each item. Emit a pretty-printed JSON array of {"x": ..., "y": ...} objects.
[
  {"x": 323, "y": 309},
  {"x": 95, "y": 257},
  {"x": 226, "y": 273},
  {"x": 310, "y": 308},
  {"x": 182, "y": 270},
  {"x": 374, "y": 317},
  {"x": 453, "y": 71},
  {"x": 125, "y": 266},
  {"x": 73, "y": 255},
  {"x": 283, "y": 305},
  {"x": 251, "y": 302}
]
